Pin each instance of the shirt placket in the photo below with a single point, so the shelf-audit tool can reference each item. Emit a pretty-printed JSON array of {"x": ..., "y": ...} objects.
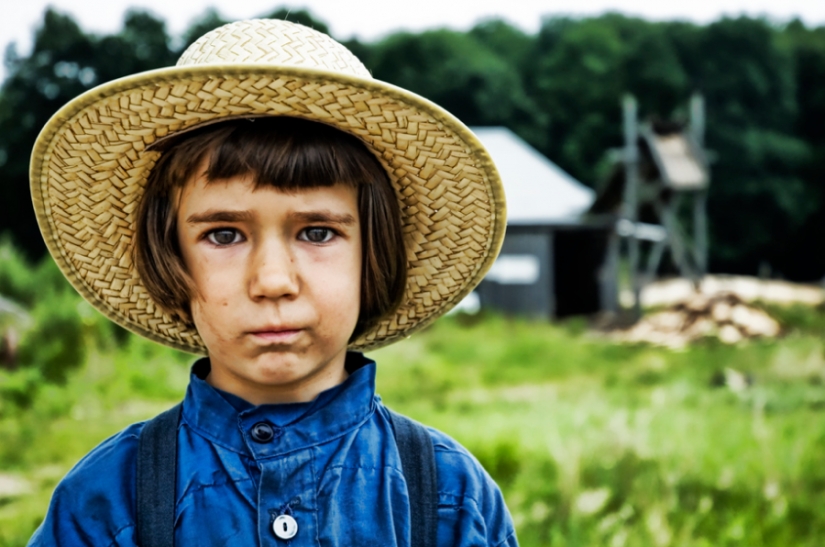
[
  {"x": 287, "y": 507},
  {"x": 287, "y": 490}
]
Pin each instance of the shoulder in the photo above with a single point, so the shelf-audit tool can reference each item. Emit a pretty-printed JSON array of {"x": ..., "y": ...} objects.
[
  {"x": 471, "y": 506},
  {"x": 459, "y": 465},
  {"x": 459, "y": 472},
  {"x": 469, "y": 497},
  {"x": 109, "y": 464},
  {"x": 94, "y": 503}
]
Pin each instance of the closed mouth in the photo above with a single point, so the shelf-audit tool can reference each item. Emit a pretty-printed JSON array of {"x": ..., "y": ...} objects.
[{"x": 277, "y": 335}]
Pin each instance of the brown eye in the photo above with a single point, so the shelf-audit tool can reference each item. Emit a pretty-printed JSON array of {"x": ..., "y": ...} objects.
[
  {"x": 224, "y": 236},
  {"x": 317, "y": 235}
]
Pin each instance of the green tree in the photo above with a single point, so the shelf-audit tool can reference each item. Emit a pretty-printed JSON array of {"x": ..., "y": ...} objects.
[
  {"x": 508, "y": 42},
  {"x": 36, "y": 87},
  {"x": 64, "y": 62},
  {"x": 758, "y": 199},
  {"x": 209, "y": 20},
  {"x": 580, "y": 69},
  {"x": 805, "y": 257},
  {"x": 460, "y": 73}
]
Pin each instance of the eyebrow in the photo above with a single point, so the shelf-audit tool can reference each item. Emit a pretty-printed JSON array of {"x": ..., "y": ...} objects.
[
  {"x": 212, "y": 215},
  {"x": 323, "y": 216}
]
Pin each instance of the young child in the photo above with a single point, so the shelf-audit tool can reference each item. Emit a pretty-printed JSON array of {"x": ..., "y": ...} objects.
[{"x": 267, "y": 204}]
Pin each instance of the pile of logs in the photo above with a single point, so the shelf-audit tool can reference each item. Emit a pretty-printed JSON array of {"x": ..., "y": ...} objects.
[{"x": 725, "y": 316}]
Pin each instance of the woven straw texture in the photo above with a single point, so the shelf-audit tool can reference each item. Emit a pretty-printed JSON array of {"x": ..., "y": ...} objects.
[{"x": 91, "y": 162}]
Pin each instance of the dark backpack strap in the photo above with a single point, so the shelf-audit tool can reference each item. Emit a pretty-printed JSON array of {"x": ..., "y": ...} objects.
[
  {"x": 156, "y": 480},
  {"x": 418, "y": 463}
]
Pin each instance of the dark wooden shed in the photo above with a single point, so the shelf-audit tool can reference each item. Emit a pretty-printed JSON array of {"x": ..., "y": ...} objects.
[{"x": 552, "y": 260}]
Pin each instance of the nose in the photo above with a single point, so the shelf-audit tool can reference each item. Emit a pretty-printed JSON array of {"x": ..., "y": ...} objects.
[{"x": 273, "y": 273}]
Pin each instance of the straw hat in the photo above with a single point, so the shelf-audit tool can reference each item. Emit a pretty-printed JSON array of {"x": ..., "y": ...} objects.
[{"x": 90, "y": 165}]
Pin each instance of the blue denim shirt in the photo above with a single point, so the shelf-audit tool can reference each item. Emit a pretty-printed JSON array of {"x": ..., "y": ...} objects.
[{"x": 333, "y": 465}]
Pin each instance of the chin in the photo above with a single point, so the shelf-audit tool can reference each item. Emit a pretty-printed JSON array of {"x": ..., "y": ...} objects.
[{"x": 276, "y": 362}]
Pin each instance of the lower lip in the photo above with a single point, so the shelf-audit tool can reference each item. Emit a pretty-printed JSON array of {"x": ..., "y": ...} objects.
[{"x": 277, "y": 337}]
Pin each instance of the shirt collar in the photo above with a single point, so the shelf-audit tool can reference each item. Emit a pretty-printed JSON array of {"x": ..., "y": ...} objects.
[{"x": 227, "y": 420}]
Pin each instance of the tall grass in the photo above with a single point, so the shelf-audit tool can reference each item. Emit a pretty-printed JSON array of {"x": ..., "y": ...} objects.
[{"x": 598, "y": 444}]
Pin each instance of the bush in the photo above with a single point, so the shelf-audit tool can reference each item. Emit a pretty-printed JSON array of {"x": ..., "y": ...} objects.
[
  {"x": 55, "y": 344},
  {"x": 57, "y": 334}
]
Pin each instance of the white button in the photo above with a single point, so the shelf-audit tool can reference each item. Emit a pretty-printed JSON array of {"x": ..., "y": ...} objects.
[{"x": 285, "y": 527}]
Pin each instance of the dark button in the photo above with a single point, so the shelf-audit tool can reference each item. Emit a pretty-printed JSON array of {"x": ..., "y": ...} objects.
[{"x": 262, "y": 432}]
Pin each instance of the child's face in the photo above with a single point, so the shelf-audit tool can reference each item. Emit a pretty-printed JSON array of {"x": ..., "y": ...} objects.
[{"x": 277, "y": 278}]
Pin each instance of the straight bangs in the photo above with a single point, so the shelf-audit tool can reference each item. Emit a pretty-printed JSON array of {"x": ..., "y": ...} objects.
[
  {"x": 286, "y": 153},
  {"x": 291, "y": 154}
]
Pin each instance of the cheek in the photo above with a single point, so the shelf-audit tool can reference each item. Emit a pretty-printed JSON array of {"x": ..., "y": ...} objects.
[
  {"x": 339, "y": 288},
  {"x": 213, "y": 323},
  {"x": 214, "y": 280},
  {"x": 212, "y": 303},
  {"x": 352, "y": 293}
]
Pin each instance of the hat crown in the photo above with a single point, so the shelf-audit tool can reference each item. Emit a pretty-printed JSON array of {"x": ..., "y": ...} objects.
[{"x": 272, "y": 42}]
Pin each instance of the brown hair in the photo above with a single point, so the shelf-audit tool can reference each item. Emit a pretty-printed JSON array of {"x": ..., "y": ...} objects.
[{"x": 289, "y": 154}]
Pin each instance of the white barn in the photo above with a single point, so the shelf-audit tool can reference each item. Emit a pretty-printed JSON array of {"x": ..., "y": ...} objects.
[
  {"x": 538, "y": 191},
  {"x": 551, "y": 261}
]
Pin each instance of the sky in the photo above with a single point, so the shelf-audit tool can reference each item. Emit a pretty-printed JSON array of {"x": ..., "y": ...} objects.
[{"x": 371, "y": 19}]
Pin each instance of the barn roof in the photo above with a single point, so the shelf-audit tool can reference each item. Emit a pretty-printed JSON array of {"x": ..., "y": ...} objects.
[{"x": 537, "y": 190}]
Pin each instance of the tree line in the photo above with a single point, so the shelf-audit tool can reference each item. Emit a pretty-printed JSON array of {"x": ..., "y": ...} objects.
[{"x": 560, "y": 89}]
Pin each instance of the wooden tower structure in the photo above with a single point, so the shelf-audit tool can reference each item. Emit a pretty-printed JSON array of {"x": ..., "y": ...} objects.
[{"x": 660, "y": 167}]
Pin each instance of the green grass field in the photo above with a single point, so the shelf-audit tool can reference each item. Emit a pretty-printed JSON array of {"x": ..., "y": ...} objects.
[{"x": 593, "y": 443}]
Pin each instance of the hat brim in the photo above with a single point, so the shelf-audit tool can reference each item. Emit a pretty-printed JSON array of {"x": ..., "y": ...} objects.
[{"x": 90, "y": 165}]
